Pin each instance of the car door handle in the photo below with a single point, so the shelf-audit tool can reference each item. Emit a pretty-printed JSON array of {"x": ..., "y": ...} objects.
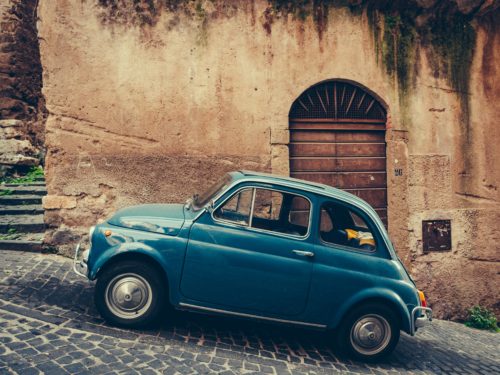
[{"x": 304, "y": 253}]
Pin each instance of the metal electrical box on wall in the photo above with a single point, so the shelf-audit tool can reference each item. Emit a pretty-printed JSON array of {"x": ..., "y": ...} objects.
[{"x": 436, "y": 235}]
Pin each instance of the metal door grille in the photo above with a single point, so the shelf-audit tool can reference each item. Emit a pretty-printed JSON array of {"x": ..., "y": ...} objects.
[{"x": 337, "y": 101}]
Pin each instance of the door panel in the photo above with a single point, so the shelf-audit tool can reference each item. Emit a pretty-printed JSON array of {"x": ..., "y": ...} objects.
[
  {"x": 242, "y": 269},
  {"x": 337, "y": 136},
  {"x": 345, "y": 180},
  {"x": 337, "y": 149},
  {"x": 336, "y": 164}
]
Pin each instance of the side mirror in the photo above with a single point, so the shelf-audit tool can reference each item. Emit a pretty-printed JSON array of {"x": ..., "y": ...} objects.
[{"x": 210, "y": 206}]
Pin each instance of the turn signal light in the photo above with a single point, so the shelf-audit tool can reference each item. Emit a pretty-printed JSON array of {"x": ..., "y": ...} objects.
[
  {"x": 423, "y": 302},
  {"x": 107, "y": 233}
]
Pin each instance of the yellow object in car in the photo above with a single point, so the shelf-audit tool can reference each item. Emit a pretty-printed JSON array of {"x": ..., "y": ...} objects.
[{"x": 364, "y": 238}]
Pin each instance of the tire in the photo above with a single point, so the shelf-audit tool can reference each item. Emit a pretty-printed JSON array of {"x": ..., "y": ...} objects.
[
  {"x": 368, "y": 333},
  {"x": 130, "y": 294}
]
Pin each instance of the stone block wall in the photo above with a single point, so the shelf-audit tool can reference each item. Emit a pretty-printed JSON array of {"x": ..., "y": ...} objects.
[{"x": 22, "y": 111}]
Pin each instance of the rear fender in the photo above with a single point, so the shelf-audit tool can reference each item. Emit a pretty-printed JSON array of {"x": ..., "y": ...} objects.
[{"x": 377, "y": 295}]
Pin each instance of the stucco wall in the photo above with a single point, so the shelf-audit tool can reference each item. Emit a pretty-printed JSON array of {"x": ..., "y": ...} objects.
[{"x": 154, "y": 108}]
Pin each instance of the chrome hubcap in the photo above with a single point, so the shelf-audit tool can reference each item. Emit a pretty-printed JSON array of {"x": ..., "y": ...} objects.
[
  {"x": 370, "y": 334},
  {"x": 128, "y": 296}
]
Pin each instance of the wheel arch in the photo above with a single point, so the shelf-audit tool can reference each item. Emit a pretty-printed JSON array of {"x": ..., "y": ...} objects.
[
  {"x": 385, "y": 298},
  {"x": 136, "y": 256}
]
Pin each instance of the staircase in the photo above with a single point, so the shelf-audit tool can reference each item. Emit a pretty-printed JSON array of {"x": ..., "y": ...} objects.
[{"x": 21, "y": 215}]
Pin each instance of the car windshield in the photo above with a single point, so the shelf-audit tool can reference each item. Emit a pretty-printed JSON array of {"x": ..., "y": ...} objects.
[{"x": 200, "y": 200}]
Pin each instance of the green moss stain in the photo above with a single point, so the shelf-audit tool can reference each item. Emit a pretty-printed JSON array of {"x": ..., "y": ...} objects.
[
  {"x": 398, "y": 29},
  {"x": 301, "y": 10},
  {"x": 447, "y": 35},
  {"x": 395, "y": 40},
  {"x": 399, "y": 49},
  {"x": 201, "y": 16},
  {"x": 452, "y": 40}
]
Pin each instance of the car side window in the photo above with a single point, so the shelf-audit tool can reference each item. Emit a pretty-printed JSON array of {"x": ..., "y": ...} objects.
[
  {"x": 339, "y": 225},
  {"x": 281, "y": 212},
  {"x": 237, "y": 208},
  {"x": 268, "y": 204},
  {"x": 273, "y": 210}
]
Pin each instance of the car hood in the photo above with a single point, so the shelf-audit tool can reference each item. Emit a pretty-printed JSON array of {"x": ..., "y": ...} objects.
[{"x": 158, "y": 218}]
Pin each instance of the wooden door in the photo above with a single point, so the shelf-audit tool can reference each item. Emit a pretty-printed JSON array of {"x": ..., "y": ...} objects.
[{"x": 337, "y": 137}]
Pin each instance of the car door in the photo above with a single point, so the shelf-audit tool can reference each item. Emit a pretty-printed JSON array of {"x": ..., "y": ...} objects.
[
  {"x": 252, "y": 253},
  {"x": 350, "y": 257}
]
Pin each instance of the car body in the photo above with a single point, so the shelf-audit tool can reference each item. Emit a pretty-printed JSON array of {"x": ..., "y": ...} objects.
[{"x": 258, "y": 246}]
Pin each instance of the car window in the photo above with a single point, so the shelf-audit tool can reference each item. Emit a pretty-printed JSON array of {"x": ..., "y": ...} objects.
[
  {"x": 281, "y": 212},
  {"x": 273, "y": 210},
  {"x": 326, "y": 224},
  {"x": 359, "y": 222},
  {"x": 268, "y": 204},
  {"x": 237, "y": 208},
  {"x": 299, "y": 212},
  {"x": 339, "y": 225}
]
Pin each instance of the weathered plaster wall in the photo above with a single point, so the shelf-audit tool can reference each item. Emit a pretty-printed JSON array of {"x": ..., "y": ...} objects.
[
  {"x": 21, "y": 101},
  {"x": 152, "y": 108},
  {"x": 454, "y": 176}
]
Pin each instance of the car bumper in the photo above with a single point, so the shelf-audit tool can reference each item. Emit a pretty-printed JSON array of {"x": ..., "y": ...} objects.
[
  {"x": 420, "y": 317},
  {"x": 80, "y": 261}
]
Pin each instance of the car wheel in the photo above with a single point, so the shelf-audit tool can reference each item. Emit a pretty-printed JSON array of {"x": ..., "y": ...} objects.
[
  {"x": 130, "y": 294},
  {"x": 369, "y": 332}
]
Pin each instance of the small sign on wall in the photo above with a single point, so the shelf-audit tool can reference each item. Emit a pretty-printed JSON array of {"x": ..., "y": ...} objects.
[{"x": 436, "y": 235}]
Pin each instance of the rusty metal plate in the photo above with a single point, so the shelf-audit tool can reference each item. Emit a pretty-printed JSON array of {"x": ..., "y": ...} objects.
[{"x": 436, "y": 235}]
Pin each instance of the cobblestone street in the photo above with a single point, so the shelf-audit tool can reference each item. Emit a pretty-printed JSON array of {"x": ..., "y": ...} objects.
[{"x": 48, "y": 324}]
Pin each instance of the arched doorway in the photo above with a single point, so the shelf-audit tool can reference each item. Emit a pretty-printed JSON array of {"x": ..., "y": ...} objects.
[{"x": 337, "y": 137}]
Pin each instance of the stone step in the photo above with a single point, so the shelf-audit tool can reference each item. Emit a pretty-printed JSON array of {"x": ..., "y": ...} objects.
[
  {"x": 25, "y": 190},
  {"x": 16, "y": 200},
  {"x": 26, "y": 209},
  {"x": 22, "y": 223},
  {"x": 21, "y": 245},
  {"x": 34, "y": 183},
  {"x": 22, "y": 241}
]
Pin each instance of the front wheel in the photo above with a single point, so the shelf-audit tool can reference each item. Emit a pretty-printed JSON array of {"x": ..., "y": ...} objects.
[
  {"x": 369, "y": 332},
  {"x": 130, "y": 294}
]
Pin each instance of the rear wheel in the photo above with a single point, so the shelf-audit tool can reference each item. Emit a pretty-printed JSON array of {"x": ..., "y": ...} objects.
[
  {"x": 369, "y": 332},
  {"x": 130, "y": 294}
]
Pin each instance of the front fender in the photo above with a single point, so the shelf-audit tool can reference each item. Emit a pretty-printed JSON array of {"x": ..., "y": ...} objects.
[
  {"x": 379, "y": 294},
  {"x": 127, "y": 247}
]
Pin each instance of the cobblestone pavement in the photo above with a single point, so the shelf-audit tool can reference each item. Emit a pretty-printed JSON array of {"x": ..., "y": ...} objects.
[{"x": 48, "y": 324}]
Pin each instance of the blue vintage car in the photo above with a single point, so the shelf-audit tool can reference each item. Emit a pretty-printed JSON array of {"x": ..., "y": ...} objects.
[{"x": 258, "y": 246}]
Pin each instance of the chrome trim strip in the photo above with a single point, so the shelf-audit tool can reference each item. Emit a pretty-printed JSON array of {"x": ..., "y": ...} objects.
[
  {"x": 195, "y": 307},
  {"x": 252, "y": 206}
]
